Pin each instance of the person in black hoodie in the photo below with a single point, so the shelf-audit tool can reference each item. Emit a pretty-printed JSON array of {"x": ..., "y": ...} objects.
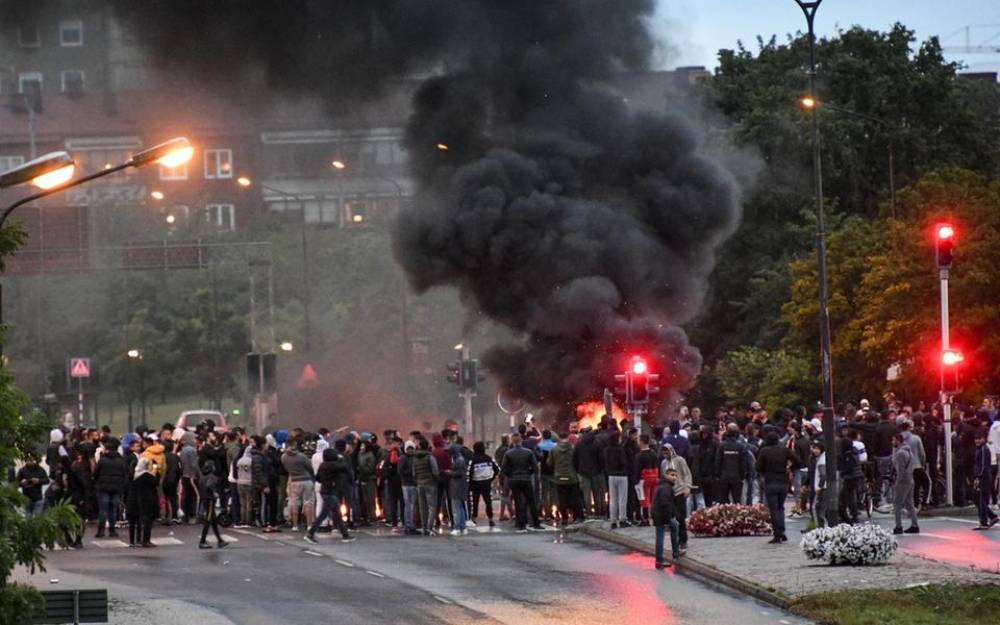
[
  {"x": 930, "y": 435},
  {"x": 110, "y": 478},
  {"x": 773, "y": 463},
  {"x": 665, "y": 516},
  {"x": 333, "y": 481},
  {"x": 704, "y": 471},
  {"x": 482, "y": 471},
  {"x": 143, "y": 504},
  {"x": 730, "y": 466},
  {"x": 617, "y": 468},
  {"x": 587, "y": 462},
  {"x": 208, "y": 493},
  {"x": 645, "y": 471}
]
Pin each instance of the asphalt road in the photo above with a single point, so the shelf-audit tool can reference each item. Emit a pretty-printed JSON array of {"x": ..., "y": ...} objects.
[{"x": 481, "y": 578}]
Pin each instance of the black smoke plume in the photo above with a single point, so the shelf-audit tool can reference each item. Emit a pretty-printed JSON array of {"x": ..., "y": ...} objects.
[{"x": 586, "y": 228}]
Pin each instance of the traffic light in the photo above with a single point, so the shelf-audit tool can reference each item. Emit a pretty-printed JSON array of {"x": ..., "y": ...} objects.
[
  {"x": 944, "y": 239},
  {"x": 270, "y": 372},
  {"x": 652, "y": 384},
  {"x": 951, "y": 361},
  {"x": 253, "y": 372},
  {"x": 622, "y": 386},
  {"x": 455, "y": 372},
  {"x": 639, "y": 381}
]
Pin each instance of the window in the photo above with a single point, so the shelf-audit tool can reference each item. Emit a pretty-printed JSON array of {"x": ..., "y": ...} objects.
[
  {"x": 71, "y": 33},
  {"x": 29, "y": 37},
  {"x": 72, "y": 81},
  {"x": 313, "y": 211},
  {"x": 218, "y": 163},
  {"x": 221, "y": 215},
  {"x": 29, "y": 82},
  {"x": 174, "y": 173},
  {"x": 8, "y": 163}
]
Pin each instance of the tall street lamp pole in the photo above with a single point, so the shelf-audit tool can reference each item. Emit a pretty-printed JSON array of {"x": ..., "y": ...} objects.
[{"x": 809, "y": 9}]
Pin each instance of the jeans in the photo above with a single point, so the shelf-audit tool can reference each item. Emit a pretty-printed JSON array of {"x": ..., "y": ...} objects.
[
  {"x": 674, "y": 544},
  {"x": 695, "y": 501},
  {"x": 592, "y": 487},
  {"x": 246, "y": 503},
  {"x": 426, "y": 505},
  {"x": 443, "y": 510},
  {"x": 107, "y": 509},
  {"x": 459, "y": 514},
  {"x": 392, "y": 502},
  {"x": 35, "y": 507},
  {"x": 569, "y": 503},
  {"x": 775, "y": 495},
  {"x": 681, "y": 518},
  {"x": 409, "y": 499},
  {"x": 331, "y": 509},
  {"x": 524, "y": 504},
  {"x": 849, "y": 499},
  {"x": 618, "y": 497}
]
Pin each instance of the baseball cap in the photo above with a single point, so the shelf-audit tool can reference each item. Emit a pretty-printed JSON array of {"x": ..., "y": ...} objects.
[{"x": 409, "y": 445}]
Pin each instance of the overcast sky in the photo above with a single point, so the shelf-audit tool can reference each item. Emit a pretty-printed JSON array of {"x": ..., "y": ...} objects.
[{"x": 696, "y": 29}]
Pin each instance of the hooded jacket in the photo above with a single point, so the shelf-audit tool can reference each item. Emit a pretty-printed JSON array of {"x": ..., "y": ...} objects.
[
  {"x": 730, "y": 463},
  {"x": 189, "y": 457},
  {"x": 298, "y": 465},
  {"x": 662, "y": 510},
  {"x": 156, "y": 454},
  {"x": 482, "y": 469},
  {"x": 425, "y": 469},
  {"x": 587, "y": 460},
  {"x": 332, "y": 474},
  {"x": 772, "y": 463},
  {"x": 684, "y": 478},
  {"x": 111, "y": 474},
  {"x": 208, "y": 482},
  {"x": 562, "y": 462}
]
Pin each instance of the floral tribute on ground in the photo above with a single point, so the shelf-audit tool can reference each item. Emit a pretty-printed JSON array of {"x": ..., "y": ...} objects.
[
  {"x": 730, "y": 520},
  {"x": 850, "y": 544}
]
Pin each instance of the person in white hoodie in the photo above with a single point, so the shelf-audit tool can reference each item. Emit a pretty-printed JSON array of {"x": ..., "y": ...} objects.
[
  {"x": 993, "y": 442},
  {"x": 317, "y": 459}
]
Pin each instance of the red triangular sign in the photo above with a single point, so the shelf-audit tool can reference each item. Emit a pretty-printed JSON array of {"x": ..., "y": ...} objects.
[
  {"x": 308, "y": 378},
  {"x": 80, "y": 369}
]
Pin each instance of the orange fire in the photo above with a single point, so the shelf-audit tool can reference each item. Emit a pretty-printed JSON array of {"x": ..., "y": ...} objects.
[
  {"x": 378, "y": 510},
  {"x": 343, "y": 511},
  {"x": 590, "y": 414}
]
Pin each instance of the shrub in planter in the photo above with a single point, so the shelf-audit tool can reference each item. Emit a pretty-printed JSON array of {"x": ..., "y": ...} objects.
[
  {"x": 850, "y": 544},
  {"x": 730, "y": 520}
]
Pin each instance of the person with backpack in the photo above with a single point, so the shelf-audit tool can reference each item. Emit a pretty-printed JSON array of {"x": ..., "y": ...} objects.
[
  {"x": 209, "y": 489},
  {"x": 482, "y": 471}
]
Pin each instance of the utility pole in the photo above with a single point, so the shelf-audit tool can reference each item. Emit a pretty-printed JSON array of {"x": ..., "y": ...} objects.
[
  {"x": 809, "y": 9},
  {"x": 943, "y": 252},
  {"x": 468, "y": 388}
]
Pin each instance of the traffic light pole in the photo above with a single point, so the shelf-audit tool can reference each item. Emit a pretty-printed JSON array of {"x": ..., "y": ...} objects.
[
  {"x": 945, "y": 396},
  {"x": 467, "y": 394}
]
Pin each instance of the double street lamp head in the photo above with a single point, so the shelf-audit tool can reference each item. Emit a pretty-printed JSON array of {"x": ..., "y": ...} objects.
[{"x": 45, "y": 172}]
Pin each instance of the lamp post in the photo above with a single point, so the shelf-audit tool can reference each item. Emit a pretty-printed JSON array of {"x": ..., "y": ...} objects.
[
  {"x": 135, "y": 356},
  {"x": 811, "y": 103},
  {"x": 809, "y": 8},
  {"x": 54, "y": 172}
]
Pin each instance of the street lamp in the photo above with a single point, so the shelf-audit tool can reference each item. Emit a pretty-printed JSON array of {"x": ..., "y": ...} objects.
[
  {"x": 809, "y": 8},
  {"x": 286, "y": 346},
  {"x": 135, "y": 356},
  {"x": 45, "y": 172},
  {"x": 809, "y": 104}
]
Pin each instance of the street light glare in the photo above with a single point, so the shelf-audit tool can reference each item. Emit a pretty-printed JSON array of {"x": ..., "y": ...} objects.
[
  {"x": 459, "y": 346},
  {"x": 171, "y": 219},
  {"x": 243, "y": 181},
  {"x": 807, "y": 102},
  {"x": 177, "y": 157},
  {"x": 442, "y": 146},
  {"x": 951, "y": 357},
  {"x": 157, "y": 195},
  {"x": 171, "y": 153},
  {"x": 133, "y": 353},
  {"x": 358, "y": 218},
  {"x": 338, "y": 164},
  {"x": 55, "y": 178},
  {"x": 286, "y": 346}
]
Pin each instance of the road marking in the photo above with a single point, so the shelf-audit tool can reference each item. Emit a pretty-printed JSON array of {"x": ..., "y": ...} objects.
[
  {"x": 230, "y": 539},
  {"x": 374, "y": 574},
  {"x": 160, "y": 542},
  {"x": 784, "y": 622},
  {"x": 948, "y": 518},
  {"x": 931, "y": 536},
  {"x": 441, "y": 599},
  {"x": 108, "y": 544},
  {"x": 349, "y": 565},
  {"x": 314, "y": 553},
  {"x": 278, "y": 542}
]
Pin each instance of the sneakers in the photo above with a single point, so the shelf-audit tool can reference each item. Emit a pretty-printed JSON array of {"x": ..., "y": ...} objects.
[
  {"x": 148, "y": 545},
  {"x": 913, "y": 529},
  {"x": 204, "y": 546},
  {"x": 784, "y": 538},
  {"x": 310, "y": 538},
  {"x": 348, "y": 539},
  {"x": 470, "y": 523},
  {"x": 775, "y": 541},
  {"x": 980, "y": 528},
  {"x": 662, "y": 565},
  {"x": 897, "y": 531},
  {"x": 456, "y": 532},
  {"x": 113, "y": 534},
  {"x": 614, "y": 526},
  {"x": 223, "y": 544},
  {"x": 522, "y": 530}
]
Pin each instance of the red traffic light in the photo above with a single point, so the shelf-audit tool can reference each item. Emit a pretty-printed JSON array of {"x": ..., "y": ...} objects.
[
  {"x": 639, "y": 366},
  {"x": 945, "y": 231},
  {"x": 950, "y": 357}
]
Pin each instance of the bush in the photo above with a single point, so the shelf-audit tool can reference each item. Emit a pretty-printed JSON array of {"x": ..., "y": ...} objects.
[
  {"x": 730, "y": 520},
  {"x": 850, "y": 544}
]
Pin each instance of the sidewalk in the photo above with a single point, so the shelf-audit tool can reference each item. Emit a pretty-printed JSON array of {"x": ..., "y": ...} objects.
[{"x": 779, "y": 574}]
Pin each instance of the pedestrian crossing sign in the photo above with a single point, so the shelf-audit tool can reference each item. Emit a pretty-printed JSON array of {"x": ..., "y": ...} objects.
[{"x": 79, "y": 367}]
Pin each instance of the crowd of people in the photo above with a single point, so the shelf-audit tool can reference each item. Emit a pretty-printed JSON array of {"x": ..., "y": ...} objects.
[{"x": 426, "y": 484}]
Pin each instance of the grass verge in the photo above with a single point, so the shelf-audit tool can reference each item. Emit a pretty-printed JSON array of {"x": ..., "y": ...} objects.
[{"x": 923, "y": 605}]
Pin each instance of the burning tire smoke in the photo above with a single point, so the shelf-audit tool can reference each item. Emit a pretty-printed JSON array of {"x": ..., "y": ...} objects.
[{"x": 586, "y": 228}]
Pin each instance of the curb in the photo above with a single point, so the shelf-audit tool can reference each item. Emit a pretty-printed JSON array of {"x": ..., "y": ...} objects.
[
  {"x": 969, "y": 511},
  {"x": 690, "y": 567}
]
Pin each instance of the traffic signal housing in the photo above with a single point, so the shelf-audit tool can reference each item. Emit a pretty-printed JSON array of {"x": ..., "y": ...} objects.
[
  {"x": 951, "y": 361},
  {"x": 639, "y": 381},
  {"x": 944, "y": 244},
  {"x": 455, "y": 372}
]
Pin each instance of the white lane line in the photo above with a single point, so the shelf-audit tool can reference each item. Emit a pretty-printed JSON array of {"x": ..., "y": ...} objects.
[
  {"x": 230, "y": 539},
  {"x": 313, "y": 553},
  {"x": 374, "y": 573},
  {"x": 441, "y": 599},
  {"x": 939, "y": 536},
  {"x": 349, "y": 565},
  {"x": 109, "y": 543},
  {"x": 167, "y": 540},
  {"x": 948, "y": 518}
]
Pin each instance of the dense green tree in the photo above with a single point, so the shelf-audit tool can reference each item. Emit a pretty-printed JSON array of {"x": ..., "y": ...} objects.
[{"x": 777, "y": 379}]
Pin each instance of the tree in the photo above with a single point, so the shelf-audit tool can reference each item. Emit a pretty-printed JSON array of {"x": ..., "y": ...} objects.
[
  {"x": 22, "y": 539},
  {"x": 777, "y": 379}
]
